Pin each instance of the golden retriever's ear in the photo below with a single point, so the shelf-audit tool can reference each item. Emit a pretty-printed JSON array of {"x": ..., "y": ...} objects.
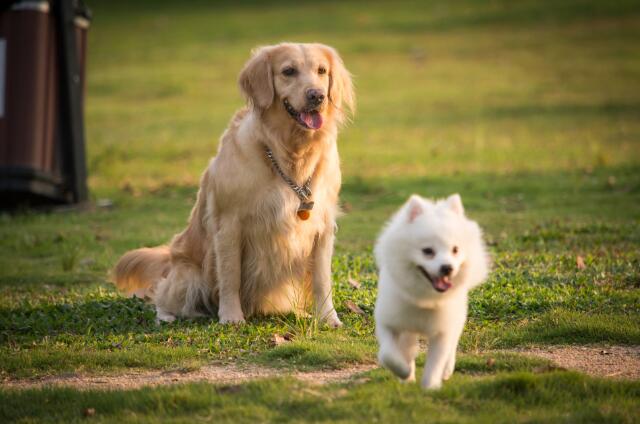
[
  {"x": 256, "y": 79},
  {"x": 341, "y": 92}
]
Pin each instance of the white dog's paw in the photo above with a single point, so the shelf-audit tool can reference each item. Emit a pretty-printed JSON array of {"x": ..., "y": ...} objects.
[
  {"x": 231, "y": 317},
  {"x": 411, "y": 378},
  {"x": 431, "y": 384},
  {"x": 448, "y": 372},
  {"x": 395, "y": 364}
]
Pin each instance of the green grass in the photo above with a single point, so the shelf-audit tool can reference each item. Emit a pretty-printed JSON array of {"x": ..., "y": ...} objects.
[
  {"x": 530, "y": 110},
  {"x": 538, "y": 394}
]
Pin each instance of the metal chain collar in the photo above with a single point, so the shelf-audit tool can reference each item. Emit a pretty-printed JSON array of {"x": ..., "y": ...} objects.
[{"x": 304, "y": 192}]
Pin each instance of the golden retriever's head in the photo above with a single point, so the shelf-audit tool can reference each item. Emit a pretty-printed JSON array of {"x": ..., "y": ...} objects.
[{"x": 307, "y": 83}]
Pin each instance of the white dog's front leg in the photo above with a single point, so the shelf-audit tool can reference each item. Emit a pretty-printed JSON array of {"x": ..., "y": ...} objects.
[
  {"x": 322, "y": 290},
  {"x": 456, "y": 326},
  {"x": 450, "y": 365},
  {"x": 408, "y": 343},
  {"x": 391, "y": 355},
  {"x": 228, "y": 271},
  {"x": 437, "y": 356}
]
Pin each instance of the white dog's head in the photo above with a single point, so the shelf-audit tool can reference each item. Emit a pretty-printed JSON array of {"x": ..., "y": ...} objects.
[{"x": 434, "y": 243}]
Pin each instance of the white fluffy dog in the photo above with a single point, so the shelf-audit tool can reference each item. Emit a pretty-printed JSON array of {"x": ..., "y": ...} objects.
[{"x": 429, "y": 256}]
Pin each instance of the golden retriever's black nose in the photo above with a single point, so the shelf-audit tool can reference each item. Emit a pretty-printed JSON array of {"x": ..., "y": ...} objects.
[
  {"x": 315, "y": 97},
  {"x": 446, "y": 269}
]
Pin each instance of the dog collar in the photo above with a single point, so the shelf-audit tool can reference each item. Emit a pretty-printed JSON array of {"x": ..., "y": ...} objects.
[{"x": 303, "y": 192}]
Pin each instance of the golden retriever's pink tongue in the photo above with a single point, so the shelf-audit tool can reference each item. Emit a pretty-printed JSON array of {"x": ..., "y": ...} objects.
[{"x": 311, "y": 119}]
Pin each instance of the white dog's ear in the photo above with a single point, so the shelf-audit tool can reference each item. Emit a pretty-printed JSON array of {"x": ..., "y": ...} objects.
[
  {"x": 455, "y": 204},
  {"x": 341, "y": 92},
  {"x": 256, "y": 79},
  {"x": 415, "y": 207}
]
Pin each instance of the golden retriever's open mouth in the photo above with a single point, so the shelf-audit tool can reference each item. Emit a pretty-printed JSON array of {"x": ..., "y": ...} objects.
[
  {"x": 310, "y": 119},
  {"x": 441, "y": 284}
]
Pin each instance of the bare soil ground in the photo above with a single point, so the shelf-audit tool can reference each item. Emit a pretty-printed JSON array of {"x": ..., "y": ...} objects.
[
  {"x": 611, "y": 361},
  {"x": 222, "y": 374}
]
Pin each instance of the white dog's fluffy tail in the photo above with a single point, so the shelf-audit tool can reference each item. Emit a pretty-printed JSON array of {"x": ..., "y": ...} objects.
[{"x": 138, "y": 271}]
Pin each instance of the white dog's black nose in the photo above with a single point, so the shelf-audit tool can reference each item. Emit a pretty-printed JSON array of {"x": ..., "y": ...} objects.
[
  {"x": 315, "y": 97},
  {"x": 446, "y": 269}
]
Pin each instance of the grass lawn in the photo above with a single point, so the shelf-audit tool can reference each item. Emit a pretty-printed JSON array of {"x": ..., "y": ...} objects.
[{"x": 529, "y": 109}]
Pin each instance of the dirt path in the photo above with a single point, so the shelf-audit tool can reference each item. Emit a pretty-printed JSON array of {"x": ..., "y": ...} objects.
[
  {"x": 223, "y": 374},
  {"x": 613, "y": 361}
]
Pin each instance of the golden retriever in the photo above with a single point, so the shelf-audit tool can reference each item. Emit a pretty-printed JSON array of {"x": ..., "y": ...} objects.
[{"x": 253, "y": 245}]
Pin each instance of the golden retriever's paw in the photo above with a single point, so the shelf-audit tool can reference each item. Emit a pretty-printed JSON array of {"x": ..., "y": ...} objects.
[
  {"x": 163, "y": 316},
  {"x": 333, "y": 321},
  {"x": 231, "y": 318}
]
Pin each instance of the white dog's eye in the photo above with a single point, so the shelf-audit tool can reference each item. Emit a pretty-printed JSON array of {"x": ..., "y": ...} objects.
[
  {"x": 428, "y": 251},
  {"x": 455, "y": 250},
  {"x": 289, "y": 71},
  {"x": 322, "y": 70}
]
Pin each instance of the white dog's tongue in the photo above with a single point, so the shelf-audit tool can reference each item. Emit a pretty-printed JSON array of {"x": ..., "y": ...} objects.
[
  {"x": 311, "y": 119},
  {"x": 442, "y": 284}
]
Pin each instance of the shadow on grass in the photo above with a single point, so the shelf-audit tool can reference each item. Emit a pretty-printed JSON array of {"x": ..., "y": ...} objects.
[
  {"x": 333, "y": 350},
  {"x": 543, "y": 397},
  {"x": 554, "y": 327},
  {"x": 89, "y": 317}
]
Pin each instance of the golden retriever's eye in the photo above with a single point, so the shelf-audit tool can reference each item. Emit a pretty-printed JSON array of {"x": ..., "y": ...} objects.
[
  {"x": 289, "y": 71},
  {"x": 455, "y": 250},
  {"x": 322, "y": 70},
  {"x": 428, "y": 251}
]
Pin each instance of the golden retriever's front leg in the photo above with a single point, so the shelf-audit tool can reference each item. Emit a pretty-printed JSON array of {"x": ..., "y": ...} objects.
[
  {"x": 228, "y": 260},
  {"x": 322, "y": 290}
]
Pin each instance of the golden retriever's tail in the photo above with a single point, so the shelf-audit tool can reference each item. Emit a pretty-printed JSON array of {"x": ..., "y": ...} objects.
[{"x": 138, "y": 271}]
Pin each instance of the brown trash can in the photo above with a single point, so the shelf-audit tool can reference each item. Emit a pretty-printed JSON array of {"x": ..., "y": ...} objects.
[{"x": 37, "y": 163}]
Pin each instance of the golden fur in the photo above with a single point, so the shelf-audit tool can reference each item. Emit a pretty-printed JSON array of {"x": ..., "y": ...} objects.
[{"x": 244, "y": 250}]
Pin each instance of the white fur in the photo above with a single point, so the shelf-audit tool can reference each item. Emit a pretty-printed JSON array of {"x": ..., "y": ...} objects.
[{"x": 408, "y": 305}]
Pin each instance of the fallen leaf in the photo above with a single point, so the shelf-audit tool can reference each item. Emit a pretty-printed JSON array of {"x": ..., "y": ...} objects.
[
  {"x": 580, "y": 262},
  {"x": 353, "y": 307},
  {"x": 278, "y": 340},
  {"x": 354, "y": 283}
]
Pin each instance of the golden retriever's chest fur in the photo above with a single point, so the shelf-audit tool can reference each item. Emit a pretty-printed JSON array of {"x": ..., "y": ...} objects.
[
  {"x": 276, "y": 246},
  {"x": 277, "y": 252}
]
